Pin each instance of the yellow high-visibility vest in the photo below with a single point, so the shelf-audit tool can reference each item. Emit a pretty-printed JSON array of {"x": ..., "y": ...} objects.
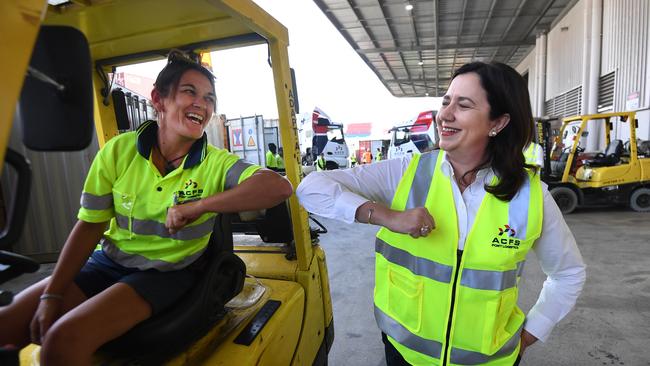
[{"x": 435, "y": 305}]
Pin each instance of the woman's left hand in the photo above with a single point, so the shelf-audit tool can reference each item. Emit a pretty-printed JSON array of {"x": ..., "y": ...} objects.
[
  {"x": 181, "y": 215},
  {"x": 526, "y": 340}
]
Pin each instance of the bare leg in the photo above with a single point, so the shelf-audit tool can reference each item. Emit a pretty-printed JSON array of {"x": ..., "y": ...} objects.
[
  {"x": 16, "y": 318},
  {"x": 74, "y": 338}
]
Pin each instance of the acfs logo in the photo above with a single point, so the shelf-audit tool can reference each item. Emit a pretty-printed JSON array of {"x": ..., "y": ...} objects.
[
  {"x": 190, "y": 192},
  {"x": 506, "y": 238}
]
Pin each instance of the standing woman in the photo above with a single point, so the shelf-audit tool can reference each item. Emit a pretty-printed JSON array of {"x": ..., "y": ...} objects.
[
  {"x": 456, "y": 225},
  {"x": 150, "y": 200}
]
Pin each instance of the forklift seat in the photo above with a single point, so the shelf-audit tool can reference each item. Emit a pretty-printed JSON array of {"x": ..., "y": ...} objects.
[
  {"x": 221, "y": 278},
  {"x": 644, "y": 148},
  {"x": 611, "y": 156}
]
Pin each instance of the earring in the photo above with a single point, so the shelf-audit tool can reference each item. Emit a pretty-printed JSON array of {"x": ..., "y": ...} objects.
[{"x": 492, "y": 133}]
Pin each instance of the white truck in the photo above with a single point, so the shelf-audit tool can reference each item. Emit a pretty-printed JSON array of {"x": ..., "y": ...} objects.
[
  {"x": 318, "y": 134},
  {"x": 415, "y": 137}
]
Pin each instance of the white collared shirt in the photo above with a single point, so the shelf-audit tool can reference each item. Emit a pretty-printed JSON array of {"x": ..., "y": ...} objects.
[{"x": 337, "y": 194}]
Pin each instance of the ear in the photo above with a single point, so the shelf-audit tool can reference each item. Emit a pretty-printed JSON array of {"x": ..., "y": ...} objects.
[
  {"x": 157, "y": 100},
  {"x": 501, "y": 122}
]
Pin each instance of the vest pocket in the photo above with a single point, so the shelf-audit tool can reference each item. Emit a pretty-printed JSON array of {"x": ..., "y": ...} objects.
[
  {"x": 405, "y": 299},
  {"x": 498, "y": 314},
  {"x": 124, "y": 203}
]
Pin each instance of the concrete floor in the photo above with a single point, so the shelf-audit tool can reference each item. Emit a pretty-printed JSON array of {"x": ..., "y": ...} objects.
[{"x": 609, "y": 326}]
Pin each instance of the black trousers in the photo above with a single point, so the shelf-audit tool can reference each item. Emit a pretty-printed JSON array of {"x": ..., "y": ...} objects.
[{"x": 394, "y": 358}]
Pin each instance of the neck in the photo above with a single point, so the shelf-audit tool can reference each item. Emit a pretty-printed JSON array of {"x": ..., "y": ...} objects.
[
  {"x": 463, "y": 164},
  {"x": 172, "y": 146}
]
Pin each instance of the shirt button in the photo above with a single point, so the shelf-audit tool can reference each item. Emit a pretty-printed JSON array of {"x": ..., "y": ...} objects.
[{"x": 159, "y": 189}]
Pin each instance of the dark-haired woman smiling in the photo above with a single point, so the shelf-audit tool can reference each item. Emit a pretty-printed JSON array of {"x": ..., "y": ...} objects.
[
  {"x": 456, "y": 225},
  {"x": 157, "y": 190}
]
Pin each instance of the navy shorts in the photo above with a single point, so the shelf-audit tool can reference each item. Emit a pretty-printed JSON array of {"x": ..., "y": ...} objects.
[{"x": 159, "y": 289}]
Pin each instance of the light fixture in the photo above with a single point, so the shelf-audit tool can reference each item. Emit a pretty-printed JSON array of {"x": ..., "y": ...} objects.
[
  {"x": 421, "y": 63},
  {"x": 426, "y": 94},
  {"x": 408, "y": 7}
]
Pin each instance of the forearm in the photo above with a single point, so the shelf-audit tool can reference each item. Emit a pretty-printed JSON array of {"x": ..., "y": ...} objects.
[
  {"x": 374, "y": 213},
  {"x": 81, "y": 242},
  {"x": 263, "y": 189}
]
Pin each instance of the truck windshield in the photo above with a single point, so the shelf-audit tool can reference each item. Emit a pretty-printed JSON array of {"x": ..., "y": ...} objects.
[{"x": 335, "y": 134}]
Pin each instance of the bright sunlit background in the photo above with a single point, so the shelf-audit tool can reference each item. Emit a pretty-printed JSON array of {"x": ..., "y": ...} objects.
[{"x": 329, "y": 73}]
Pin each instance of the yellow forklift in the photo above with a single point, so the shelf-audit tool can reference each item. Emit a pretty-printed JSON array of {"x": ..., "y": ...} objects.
[
  {"x": 58, "y": 61},
  {"x": 618, "y": 175}
]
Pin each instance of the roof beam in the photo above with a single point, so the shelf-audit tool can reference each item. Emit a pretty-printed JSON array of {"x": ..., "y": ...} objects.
[
  {"x": 382, "y": 7},
  {"x": 437, "y": 44},
  {"x": 458, "y": 31},
  {"x": 449, "y": 46},
  {"x": 357, "y": 13},
  {"x": 485, "y": 25}
]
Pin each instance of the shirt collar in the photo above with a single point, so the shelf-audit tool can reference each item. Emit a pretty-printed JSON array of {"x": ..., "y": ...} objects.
[{"x": 148, "y": 138}]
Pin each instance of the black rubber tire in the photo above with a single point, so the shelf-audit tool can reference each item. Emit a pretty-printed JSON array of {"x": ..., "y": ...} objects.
[
  {"x": 330, "y": 165},
  {"x": 566, "y": 199},
  {"x": 640, "y": 200}
]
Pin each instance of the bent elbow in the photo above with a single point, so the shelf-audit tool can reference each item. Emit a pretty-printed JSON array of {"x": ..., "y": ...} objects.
[{"x": 286, "y": 189}]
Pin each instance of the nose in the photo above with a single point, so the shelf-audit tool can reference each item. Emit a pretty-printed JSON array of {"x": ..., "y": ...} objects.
[{"x": 445, "y": 114}]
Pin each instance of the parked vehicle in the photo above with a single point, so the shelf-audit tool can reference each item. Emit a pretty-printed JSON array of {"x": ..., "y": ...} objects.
[
  {"x": 416, "y": 137},
  {"x": 321, "y": 135},
  {"x": 618, "y": 175},
  {"x": 282, "y": 314}
]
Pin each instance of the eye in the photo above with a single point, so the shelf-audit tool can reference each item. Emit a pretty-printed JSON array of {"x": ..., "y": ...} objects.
[
  {"x": 189, "y": 91},
  {"x": 210, "y": 100}
]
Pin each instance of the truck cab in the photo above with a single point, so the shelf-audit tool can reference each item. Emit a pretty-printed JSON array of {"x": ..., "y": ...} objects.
[{"x": 416, "y": 137}]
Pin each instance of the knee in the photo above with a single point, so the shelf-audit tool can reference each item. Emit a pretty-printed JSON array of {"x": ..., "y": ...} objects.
[{"x": 63, "y": 345}]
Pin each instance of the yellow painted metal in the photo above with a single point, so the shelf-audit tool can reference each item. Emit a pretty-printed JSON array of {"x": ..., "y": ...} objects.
[
  {"x": 264, "y": 264},
  {"x": 117, "y": 28},
  {"x": 19, "y": 23},
  {"x": 319, "y": 253},
  {"x": 105, "y": 124},
  {"x": 284, "y": 93},
  {"x": 313, "y": 323},
  {"x": 632, "y": 169}
]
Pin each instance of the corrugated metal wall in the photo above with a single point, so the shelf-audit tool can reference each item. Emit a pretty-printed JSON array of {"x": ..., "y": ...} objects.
[
  {"x": 626, "y": 38},
  {"x": 564, "y": 54},
  {"x": 57, "y": 181}
]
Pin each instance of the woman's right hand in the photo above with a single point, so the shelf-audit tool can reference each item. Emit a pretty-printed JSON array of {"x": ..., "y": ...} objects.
[
  {"x": 47, "y": 312},
  {"x": 416, "y": 222}
]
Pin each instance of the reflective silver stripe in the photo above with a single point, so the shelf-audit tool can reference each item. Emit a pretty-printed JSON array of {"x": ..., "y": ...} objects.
[
  {"x": 491, "y": 280},
  {"x": 420, "y": 266},
  {"x": 404, "y": 337},
  {"x": 143, "y": 263},
  {"x": 92, "y": 202},
  {"x": 518, "y": 210},
  {"x": 520, "y": 268},
  {"x": 232, "y": 177},
  {"x": 463, "y": 357},
  {"x": 150, "y": 227},
  {"x": 422, "y": 180}
]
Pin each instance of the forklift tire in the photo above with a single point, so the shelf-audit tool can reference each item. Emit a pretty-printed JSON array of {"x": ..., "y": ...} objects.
[
  {"x": 640, "y": 200},
  {"x": 566, "y": 199}
]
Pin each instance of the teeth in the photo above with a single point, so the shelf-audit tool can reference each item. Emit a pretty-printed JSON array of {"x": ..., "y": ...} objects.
[
  {"x": 195, "y": 116},
  {"x": 449, "y": 129}
]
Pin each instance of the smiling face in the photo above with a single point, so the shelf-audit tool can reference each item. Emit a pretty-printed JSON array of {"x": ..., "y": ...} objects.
[
  {"x": 463, "y": 121},
  {"x": 188, "y": 108}
]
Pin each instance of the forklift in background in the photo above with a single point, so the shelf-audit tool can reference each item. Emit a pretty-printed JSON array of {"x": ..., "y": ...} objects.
[
  {"x": 59, "y": 77},
  {"x": 618, "y": 175}
]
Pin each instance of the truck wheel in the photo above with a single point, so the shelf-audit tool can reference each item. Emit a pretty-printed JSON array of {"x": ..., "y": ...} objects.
[
  {"x": 640, "y": 200},
  {"x": 566, "y": 199},
  {"x": 330, "y": 165}
]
